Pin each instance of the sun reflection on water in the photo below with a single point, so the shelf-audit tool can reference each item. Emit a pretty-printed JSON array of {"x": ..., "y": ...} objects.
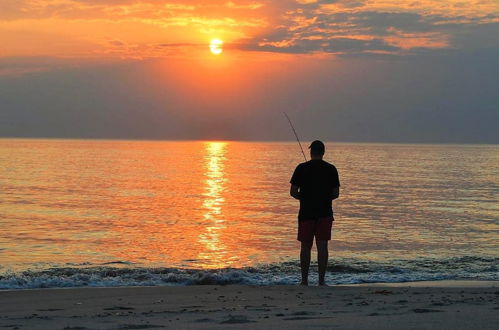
[{"x": 213, "y": 255}]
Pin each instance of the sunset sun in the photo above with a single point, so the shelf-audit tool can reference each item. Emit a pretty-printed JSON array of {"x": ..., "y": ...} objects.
[{"x": 216, "y": 46}]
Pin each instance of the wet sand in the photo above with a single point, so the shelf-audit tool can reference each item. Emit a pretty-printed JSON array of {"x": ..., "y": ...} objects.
[{"x": 425, "y": 305}]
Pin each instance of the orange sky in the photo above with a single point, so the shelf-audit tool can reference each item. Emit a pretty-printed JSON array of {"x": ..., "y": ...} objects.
[{"x": 152, "y": 28}]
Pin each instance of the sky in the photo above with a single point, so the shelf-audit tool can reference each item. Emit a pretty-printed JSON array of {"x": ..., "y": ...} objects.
[{"x": 349, "y": 71}]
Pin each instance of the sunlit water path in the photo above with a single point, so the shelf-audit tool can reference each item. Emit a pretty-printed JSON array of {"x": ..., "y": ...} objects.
[{"x": 162, "y": 212}]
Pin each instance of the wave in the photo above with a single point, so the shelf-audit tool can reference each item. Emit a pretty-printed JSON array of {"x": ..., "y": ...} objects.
[{"x": 340, "y": 271}]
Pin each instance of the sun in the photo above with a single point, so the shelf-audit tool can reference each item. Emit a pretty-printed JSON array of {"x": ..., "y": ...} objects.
[{"x": 216, "y": 46}]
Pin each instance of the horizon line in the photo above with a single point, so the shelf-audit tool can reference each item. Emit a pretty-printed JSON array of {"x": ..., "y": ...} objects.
[{"x": 239, "y": 141}]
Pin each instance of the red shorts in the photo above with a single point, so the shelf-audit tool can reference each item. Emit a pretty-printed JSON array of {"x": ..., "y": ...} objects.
[{"x": 320, "y": 228}]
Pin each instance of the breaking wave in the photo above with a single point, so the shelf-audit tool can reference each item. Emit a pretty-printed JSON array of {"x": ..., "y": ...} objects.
[{"x": 340, "y": 271}]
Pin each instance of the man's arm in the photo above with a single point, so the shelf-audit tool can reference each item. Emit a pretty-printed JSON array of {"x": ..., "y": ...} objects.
[
  {"x": 294, "y": 191},
  {"x": 335, "y": 193}
]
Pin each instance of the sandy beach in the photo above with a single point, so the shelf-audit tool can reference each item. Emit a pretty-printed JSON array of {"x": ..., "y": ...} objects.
[{"x": 427, "y": 305}]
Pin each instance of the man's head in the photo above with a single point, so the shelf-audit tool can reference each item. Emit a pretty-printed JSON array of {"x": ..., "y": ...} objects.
[{"x": 317, "y": 149}]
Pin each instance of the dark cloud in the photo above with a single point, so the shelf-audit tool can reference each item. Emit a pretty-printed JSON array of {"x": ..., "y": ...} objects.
[
  {"x": 307, "y": 28},
  {"x": 475, "y": 36},
  {"x": 333, "y": 45},
  {"x": 380, "y": 23}
]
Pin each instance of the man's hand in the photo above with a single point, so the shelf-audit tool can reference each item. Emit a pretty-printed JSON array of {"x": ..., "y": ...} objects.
[{"x": 294, "y": 191}]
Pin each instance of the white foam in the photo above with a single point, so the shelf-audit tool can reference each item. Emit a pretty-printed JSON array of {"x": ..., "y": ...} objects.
[{"x": 341, "y": 271}]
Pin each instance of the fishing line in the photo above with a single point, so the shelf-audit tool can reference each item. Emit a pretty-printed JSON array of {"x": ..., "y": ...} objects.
[{"x": 296, "y": 135}]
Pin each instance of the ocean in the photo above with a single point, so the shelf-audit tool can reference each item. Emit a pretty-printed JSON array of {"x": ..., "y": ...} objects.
[{"x": 117, "y": 213}]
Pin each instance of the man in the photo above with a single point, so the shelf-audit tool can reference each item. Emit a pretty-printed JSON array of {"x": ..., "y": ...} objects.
[{"x": 315, "y": 184}]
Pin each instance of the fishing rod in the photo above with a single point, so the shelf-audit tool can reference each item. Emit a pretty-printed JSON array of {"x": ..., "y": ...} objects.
[{"x": 296, "y": 135}]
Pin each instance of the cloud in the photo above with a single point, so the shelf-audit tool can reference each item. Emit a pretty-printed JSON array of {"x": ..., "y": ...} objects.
[
  {"x": 140, "y": 51},
  {"x": 115, "y": 9},
  {"x": 342, "y": 28},
  {"x": 331, "y": 45},
  {"x": 16, "y": 67}
]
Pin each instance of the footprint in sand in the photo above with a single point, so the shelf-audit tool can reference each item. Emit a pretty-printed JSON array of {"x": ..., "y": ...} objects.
[
  {"x": 118, "y": 308},
  {"x": 298, "y": 318},
  {"x": 139, "y": 326},
  {"x": 383, "y": 292},
  {"x": 237, "y": 319},
  {"x": 204, "y": 320},
  {"x": 303, "y": 313},
  {"x": 426, "y": 310}
]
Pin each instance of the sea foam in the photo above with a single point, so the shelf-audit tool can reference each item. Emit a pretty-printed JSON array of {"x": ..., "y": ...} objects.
[{"x": 340, "y": 271}]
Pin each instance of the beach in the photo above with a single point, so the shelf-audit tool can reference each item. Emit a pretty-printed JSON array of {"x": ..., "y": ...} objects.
[{"x": 424, "y": 305}]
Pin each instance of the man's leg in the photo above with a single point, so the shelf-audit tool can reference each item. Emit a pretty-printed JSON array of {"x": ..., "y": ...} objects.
[
  {"x": 305, "y": 252},
  {"x": 322, "y": 258}
]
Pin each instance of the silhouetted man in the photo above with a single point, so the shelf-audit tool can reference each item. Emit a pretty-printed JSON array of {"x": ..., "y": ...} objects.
[{"x": 315, "y": 184}]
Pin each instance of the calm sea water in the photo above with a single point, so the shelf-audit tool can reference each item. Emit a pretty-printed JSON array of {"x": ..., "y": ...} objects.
[{"x": 75, "y": 212}]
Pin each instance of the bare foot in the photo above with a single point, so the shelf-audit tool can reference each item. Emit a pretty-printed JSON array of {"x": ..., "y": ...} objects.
[
  {"x": 323, "y": 284},
  {"x": 304, "y": 283}
]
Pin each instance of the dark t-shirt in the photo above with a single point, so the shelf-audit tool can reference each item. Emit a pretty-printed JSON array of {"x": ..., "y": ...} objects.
[{"x": 316, "y": 180}]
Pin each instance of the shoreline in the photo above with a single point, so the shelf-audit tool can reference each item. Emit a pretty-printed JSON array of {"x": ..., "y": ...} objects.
[
  {"x": 433, "y": 284},
  {"x": 427, "y": 284},
  {"x": 443, "y": 305}
]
